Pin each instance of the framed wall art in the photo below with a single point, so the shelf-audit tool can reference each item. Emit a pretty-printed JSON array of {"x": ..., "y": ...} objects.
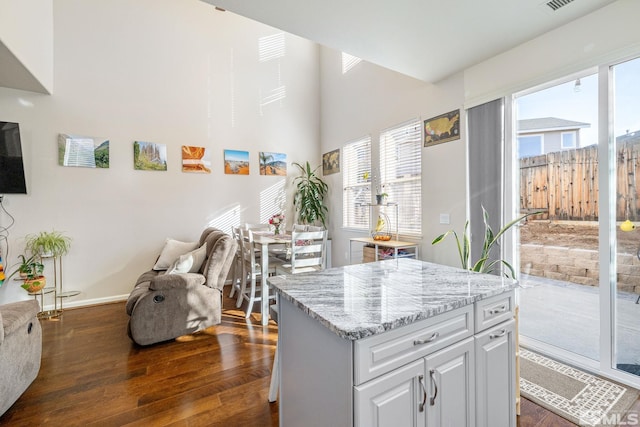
[
  {"x": 196, "y": 159},
  {"x": 236, "y": 162},
  {"x": 83, "y": 151},
  {"x": 149, "y": 156},
  {"x": 273, "y": 163},
  {"x": 442, "y": 128},
  {"x": 331, "y": 162}
]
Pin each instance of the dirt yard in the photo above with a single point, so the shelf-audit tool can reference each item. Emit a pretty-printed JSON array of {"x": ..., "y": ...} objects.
[{"x": 575, "y": 234}]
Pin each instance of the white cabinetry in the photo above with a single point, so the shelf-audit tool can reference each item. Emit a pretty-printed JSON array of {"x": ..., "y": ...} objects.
[
  {"x": 495, "y": 376},
  {"x": 450, "y": 386},
  {"x": 453, "y": 369},
  {"x": 391, "y": 399}
]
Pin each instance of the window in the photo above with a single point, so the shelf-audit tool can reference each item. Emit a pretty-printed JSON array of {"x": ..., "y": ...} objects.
[
  {"x": 401, "y": 173},
  {"x": 530, "y": 145},
  {"x": 348, "y": 62},
  {"x": 568, "y": 140},
  {"x": 356, "y": 181}
]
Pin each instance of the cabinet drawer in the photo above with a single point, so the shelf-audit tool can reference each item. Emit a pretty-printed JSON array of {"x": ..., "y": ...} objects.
[
  {"x": 491, "y": 311},
  {"x": 382, "y": 353}
]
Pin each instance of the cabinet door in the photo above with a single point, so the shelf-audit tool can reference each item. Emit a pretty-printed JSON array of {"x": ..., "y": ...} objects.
[
  {"x": 393, "y": 399},
  {"x": 451, "y": 386},
  {"x": 495, "y": 376}
]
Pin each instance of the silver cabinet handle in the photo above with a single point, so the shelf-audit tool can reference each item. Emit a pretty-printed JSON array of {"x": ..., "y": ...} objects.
[
  {"x": 500, "y": 309},
  {"x": 498, "y": 335},
  {"x": 428, "y": 340},
  {"x": 424, "y": 393},
  {"x": 432, "y": 400}
]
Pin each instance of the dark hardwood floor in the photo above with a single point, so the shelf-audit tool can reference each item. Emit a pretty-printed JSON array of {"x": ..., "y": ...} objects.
[{"x": 93, "y": 375}]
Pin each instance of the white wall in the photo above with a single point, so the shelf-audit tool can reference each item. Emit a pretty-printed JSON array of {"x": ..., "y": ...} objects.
[
  {"x": 171, "y": 72},
  {"x": 369, "y": 99},
  {"x": 608, "y": 34},
  {"x": 26, "y": 38}
]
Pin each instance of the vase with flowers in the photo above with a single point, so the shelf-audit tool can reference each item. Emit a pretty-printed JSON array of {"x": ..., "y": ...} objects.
[{"x": 276, "y": 220}]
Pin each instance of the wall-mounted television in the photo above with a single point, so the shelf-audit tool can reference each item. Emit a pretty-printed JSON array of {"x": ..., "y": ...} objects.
[{"x": 11, "y": 167}]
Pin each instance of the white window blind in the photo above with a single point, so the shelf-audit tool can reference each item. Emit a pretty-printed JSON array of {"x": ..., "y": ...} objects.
[
  {"x": 401, "y": 171},
  {"x": 356, "y": 181}
]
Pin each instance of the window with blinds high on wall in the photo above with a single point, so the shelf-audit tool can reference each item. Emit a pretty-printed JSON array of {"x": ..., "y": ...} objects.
[
  {"x": 401, "y": 173},
  {"x": 356, "y": 181}
]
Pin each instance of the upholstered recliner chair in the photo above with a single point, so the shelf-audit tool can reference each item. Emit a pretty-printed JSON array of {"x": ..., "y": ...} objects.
[
  {"x": 20, "y": 349},
  {"x": 184, "y": 297}
]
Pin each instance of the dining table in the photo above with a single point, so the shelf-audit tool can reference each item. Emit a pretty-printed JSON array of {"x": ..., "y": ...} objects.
[{"x": 262, "y": 240}]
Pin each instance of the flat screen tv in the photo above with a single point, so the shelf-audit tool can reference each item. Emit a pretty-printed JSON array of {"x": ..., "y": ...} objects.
[{"x": 11, "y": 167}]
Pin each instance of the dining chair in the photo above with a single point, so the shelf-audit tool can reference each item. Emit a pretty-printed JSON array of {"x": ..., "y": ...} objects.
[
  {"x": 251, "y": 273},
  {"x": 236, "y": 279},
  {"x": 307, "y": 252}
]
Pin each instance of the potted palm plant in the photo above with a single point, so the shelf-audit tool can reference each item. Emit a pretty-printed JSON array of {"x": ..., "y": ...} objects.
[{"x": 308, "y": 199}]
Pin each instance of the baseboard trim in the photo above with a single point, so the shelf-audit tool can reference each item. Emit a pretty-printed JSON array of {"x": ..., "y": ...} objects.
[{"x": 88, "y": 302}]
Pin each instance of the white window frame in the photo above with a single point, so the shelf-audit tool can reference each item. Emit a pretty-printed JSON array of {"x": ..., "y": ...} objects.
[
  {"x": 528, "y": 135},
  {"x": 401, "y": 151},
  {"x": 356, "y": 183},
  {"x": 574, "y": 140}
]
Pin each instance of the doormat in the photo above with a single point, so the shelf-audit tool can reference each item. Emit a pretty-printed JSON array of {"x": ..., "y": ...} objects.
[{"x": 578, "y": 396}]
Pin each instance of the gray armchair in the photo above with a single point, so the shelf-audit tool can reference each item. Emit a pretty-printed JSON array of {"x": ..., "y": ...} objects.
[
  {"x": 165, "y": 306},
  {"x": 20, "y": 349}
]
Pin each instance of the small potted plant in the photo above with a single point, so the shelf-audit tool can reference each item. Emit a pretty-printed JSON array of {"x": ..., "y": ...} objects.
[
  {"x": 48, "y": 244},
  {"x": 30, "y": 271}
]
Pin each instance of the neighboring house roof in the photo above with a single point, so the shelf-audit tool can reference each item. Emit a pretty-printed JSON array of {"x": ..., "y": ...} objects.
[
  {"x": 630, "y": 137},
  {"x": 546, "y": 124}
]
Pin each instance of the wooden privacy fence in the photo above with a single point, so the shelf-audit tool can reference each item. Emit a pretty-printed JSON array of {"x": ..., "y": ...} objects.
[{"x": 564, "y": 184}]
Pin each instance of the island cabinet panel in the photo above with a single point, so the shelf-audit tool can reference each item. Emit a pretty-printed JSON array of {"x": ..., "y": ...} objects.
[
  {"x": 450, "y": 376},
  {"x": 395, "y": 399},
  {"x": 384, "y": 352},
  {"x": 316, "y": 376},
  {"x": 496, "y": 376}
]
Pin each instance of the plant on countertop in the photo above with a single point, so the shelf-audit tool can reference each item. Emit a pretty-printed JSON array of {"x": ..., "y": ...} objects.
[
  {"x": 48, "y": 243},
  {"x": 308, "y": 199},
  {"x": 483, "y": 265}
]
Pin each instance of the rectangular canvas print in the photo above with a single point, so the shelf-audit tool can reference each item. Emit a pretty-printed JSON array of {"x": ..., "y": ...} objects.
[
  {"x": 442, "y": 128},
  {"x": 83, "y": 151},
  {"x": 331, "y": 162},
  {"x": 236, "y": 162},
  {"x": 196, "y": 159},
  {"x": 273, "y": 163},
  {"x": 149, "y": 156}
]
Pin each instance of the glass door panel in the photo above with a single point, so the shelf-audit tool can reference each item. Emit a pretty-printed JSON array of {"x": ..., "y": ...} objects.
[
  {"x": 626, "y": 119},
  {"x": 557, "y": 153}
]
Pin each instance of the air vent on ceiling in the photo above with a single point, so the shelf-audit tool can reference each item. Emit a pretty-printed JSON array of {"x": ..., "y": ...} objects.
[{"x": 557, "y": 4}]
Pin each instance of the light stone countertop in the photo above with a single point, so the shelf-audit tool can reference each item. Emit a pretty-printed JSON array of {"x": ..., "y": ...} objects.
[{"x": 358, "y": 301}]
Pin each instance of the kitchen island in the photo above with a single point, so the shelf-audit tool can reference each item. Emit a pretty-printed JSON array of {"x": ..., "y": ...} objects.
[{"x": 395, "y": 343}]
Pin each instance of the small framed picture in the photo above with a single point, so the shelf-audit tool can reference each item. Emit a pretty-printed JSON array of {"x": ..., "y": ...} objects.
[
  {"x": 331, "y": 162},
  {"x": 442, "y": 128}
]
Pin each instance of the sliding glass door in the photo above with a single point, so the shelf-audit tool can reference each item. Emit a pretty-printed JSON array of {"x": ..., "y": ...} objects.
[
  {"x": 576, "y": 158},
  {"x": 557, "y": 165},
  {"x": 626, "y": 127}
]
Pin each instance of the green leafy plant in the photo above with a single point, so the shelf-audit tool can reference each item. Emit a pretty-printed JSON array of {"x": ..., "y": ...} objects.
[
  {"x": 30, "y": 270},
  {"x": 308, "y": 199},
  {"x": 48, "y": 243},
  {"x": 484, "y": 264}
]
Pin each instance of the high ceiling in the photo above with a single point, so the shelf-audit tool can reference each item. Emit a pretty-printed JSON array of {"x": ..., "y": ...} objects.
[{"x": 425, "y": 39}]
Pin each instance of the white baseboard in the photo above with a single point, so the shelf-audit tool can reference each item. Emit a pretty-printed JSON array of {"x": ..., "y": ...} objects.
[{"x": 88, "y": 302}]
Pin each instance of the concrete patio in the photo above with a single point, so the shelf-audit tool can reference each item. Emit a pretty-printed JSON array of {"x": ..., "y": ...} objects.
[{"x": 566, "y": 315}]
